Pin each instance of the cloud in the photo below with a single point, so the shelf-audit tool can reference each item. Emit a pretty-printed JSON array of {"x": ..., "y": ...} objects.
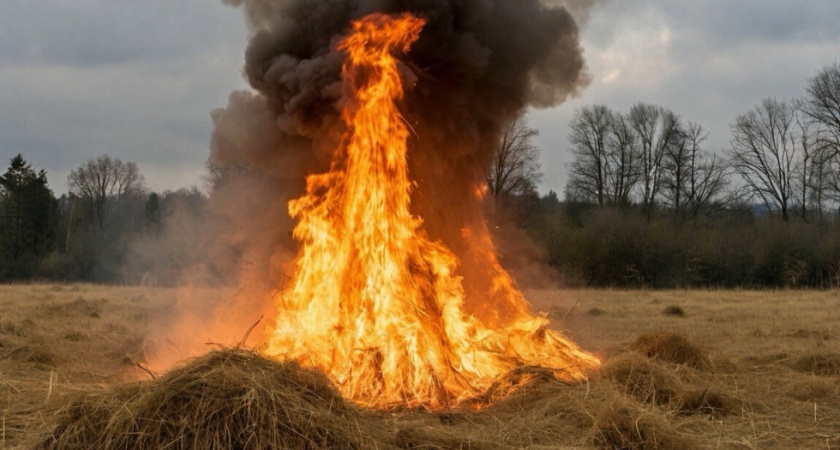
[
  {"x": 134, "y": 80},
  {"x": 708, "y": 61}
]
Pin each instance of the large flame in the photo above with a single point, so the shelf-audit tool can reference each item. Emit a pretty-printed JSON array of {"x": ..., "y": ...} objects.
[{"x": 375, "y": 303}]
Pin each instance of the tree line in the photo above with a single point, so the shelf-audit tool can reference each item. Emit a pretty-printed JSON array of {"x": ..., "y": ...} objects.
[
  {"x": 646, "y": 204},
  {"x": 94, "y": 232}
]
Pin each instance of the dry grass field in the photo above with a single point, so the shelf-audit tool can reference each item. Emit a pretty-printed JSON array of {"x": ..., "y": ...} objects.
[{"x": 682, "y": 369}]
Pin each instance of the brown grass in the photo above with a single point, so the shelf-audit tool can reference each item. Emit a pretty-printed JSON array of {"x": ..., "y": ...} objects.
[{"x": 745, "y": 369}]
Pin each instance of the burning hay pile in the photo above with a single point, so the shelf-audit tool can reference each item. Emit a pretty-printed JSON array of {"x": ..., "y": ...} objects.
[
  {"x": 238, "y": 399},
  {"x": 397, "y": 301}
]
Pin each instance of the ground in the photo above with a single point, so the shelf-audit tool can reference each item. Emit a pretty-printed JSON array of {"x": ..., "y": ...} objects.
[{"x": 682, "y": 369}]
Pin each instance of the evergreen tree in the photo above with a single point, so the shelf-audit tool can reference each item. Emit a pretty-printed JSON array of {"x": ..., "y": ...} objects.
[{"x": 27, "y": 213}]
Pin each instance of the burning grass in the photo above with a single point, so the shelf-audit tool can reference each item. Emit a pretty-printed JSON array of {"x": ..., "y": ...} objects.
[{"x": 778, "y": 391}]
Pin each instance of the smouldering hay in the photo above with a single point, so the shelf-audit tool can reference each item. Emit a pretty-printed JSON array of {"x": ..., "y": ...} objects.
[
  {"x": 671, "y": 348},
  {"x": 641, "y": 379},
  {"x": 231, "y": 399},
  {"x": 623, "y": 426}
]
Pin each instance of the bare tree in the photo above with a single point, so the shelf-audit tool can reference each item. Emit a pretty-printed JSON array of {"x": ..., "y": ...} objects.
[
  {"x": 102, "y": 181},
  {"x": 822, "y": 107},
  {"x": 656, "y": 128},
  {"x": 675, "y": 171},
  {"x": 694, "y": 180},
  {"x": 766, "y": 151},
  {"x": 516, "y": 169},
  {"x": 623, "y": 170},
  {"x": 822, "y": 104},
  {"x": 589, "y": 135}
]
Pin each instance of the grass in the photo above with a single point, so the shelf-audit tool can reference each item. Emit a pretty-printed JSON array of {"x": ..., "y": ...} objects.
[{"x": 738, "y": 369}]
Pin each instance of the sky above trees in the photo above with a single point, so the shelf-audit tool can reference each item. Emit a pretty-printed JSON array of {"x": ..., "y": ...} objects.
[{"x": 137, "y": 80}]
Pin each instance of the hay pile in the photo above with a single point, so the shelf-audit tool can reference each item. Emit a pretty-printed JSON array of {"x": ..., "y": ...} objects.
[
  {"x": 231, "y": 399},
  {"x": 671, "y": 348}
]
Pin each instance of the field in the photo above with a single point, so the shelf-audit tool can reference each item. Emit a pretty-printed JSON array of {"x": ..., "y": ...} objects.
[{"x": 682, "y": 369}]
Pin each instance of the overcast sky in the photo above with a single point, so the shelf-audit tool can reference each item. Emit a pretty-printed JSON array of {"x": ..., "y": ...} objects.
[{"x": 137, "y": 80}]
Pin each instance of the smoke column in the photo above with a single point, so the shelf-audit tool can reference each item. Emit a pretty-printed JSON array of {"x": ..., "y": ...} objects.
[{"x": 476, "y": 65}]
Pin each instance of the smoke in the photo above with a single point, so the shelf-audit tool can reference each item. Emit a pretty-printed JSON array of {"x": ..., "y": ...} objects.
[{"x": 476, "y": 65}]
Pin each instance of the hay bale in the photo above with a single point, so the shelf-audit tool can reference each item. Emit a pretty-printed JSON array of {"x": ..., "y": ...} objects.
[
  {"x": 641, "y": 379},
  {"x": 673, "y": 310},
  {"x": 622, "y": 426},
  {"x": 223, "y": 400},
  {"x": 671, "y": 348}
]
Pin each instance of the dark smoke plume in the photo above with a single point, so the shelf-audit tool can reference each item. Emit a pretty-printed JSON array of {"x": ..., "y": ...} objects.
[{"x": 476, "y": 65}]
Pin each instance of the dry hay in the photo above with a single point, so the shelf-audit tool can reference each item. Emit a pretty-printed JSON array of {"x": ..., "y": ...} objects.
[
  {"x": 706, "y": 401},
  {"x": 625, "y": 426},
  {"x": 595, "y": 312},
  {"x": 813, "y": 389},
  {"x": 671, "y": 348},
  {"x": 224, "y": 400},
  {"x": 14, "y": 328},
  {"x": 810, "y": 334},
  {"x": 80, "y": 307},
  {"x": 825, "y": 364},
  {"x": 654, "y": 384},
  {"x": 438, "y": 438},
  {"x": 641, "y": 379},
  {"x": 673, "y": 310}
]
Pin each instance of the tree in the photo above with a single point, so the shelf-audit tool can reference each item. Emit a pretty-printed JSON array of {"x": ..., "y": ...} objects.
[
  {"x": 589, "y": 135},
  {"x": 765, "y": 151},
  {"x": 515, "y": 169},
  {"x": 27, "y": 210},
  {"x": 822, "y": 107},
  {"x": 693, "y": 180},
  {"x": 822, "y": 104},
  {"x": 103, "y": 181},
  {"x": 657, "y": 128},
  {"x": 623, "y": 172}
]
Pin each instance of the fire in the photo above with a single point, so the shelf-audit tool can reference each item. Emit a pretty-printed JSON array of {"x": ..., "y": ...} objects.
[{"x": 374, "y": 302}]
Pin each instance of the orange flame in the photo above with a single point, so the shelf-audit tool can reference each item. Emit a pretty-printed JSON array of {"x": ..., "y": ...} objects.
[{"x": 375, "y": 303}]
